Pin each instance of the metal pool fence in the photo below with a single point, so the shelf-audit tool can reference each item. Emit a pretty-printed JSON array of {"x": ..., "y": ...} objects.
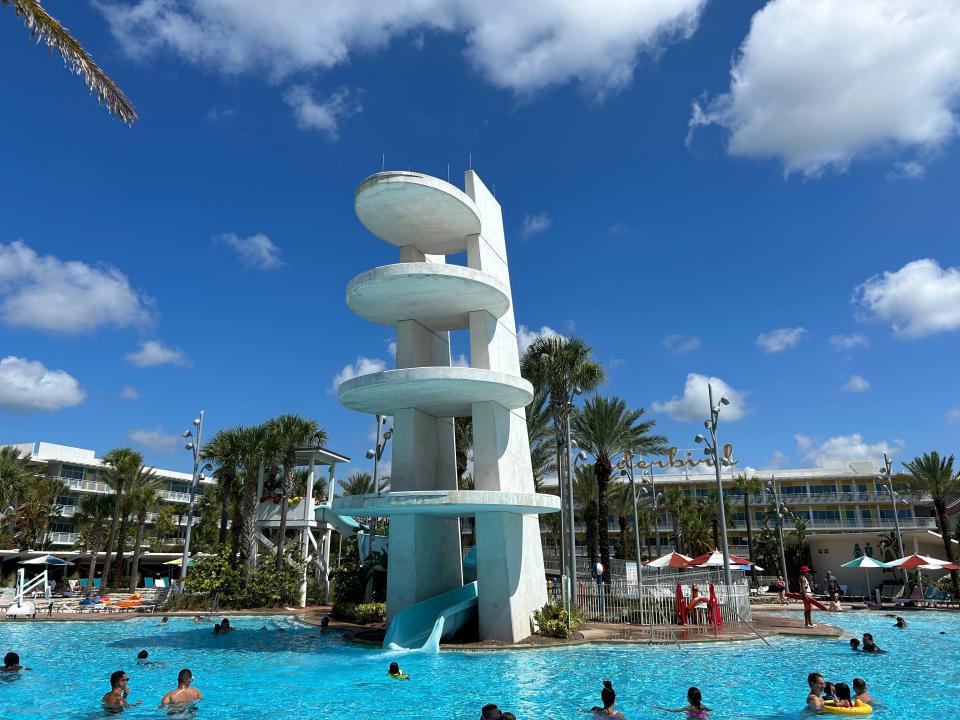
[{"x": 654, "y": 603}]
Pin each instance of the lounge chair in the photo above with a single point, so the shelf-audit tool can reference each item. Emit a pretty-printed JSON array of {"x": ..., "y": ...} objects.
[
  {"x": 148, "y": 582},
  {"x": 161, "y": 583},
  {"x": 915, "y": 599}
]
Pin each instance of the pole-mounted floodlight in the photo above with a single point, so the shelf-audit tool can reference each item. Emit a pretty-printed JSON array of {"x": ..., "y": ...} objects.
[
  {"x": 196, "y": 479},
  {"x": 699, "y": 439}
]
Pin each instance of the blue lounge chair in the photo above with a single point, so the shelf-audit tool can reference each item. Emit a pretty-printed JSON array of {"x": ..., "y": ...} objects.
[{"x": 148, "y": 582}]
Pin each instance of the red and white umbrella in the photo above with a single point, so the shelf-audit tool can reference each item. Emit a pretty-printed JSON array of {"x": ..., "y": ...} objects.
[
  {"x": 672, "y": 560},
  {"x": 715, "y": 559},
  {"x": 917, "y": 562}
]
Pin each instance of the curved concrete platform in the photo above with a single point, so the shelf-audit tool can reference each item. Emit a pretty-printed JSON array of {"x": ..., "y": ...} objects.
[
  {"x": 439, "y": 297},
  {"x": 408, "y": 208},
  {"x": 437, "y": 391},
  {"x": 446, "y": 503}
]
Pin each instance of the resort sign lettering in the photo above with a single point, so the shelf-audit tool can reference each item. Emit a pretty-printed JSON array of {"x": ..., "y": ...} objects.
[{"x": 675, "y": 462}]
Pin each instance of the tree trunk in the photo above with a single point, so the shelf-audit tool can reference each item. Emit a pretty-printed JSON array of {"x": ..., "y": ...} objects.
[
  {"x": 94, "y": 550},
  {"x": 590, "y": 520},
  {"x": 622, "y": 541},
  {"x": 112, "y": 537},
  {"x": 944, "y": 521},
  {"x": 603, "y": 470},
  {"x": 249, "y": 521},
  {"x": 746, "y": 512},
  {"x": 135, "y": 570},
  {"x": 714, "y": 525},
  {"x": 121, "y": 547},
  {"x": 224, "y": 518},
  {"x": 285, "y": 489},
  {"x": 236, "y": 526}
]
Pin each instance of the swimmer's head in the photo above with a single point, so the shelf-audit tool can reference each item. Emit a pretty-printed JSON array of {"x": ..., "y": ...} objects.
[
  {"x": 859, "y": 685},
  {"x": 11, "y": 659},
  {"x": 854, "y": 643},
  {"x": 184, "y": 676},
  {"x": 608, "y": 695},
  {"x": 142, "y": 655},
  {"x": 117, "y": 677},
  {"x": 842, "y": 691},
  {"x": 490, "y": 712},
  {"x": 225, "y": 623},
  {"x": 394, "y": 669}
]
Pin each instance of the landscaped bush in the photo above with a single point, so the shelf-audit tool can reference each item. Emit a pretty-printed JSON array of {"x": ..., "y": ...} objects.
[
  {"x": 362, "y": 614},
  {"x": 552, "y": 620},
  {"x": 214, "y": 577}
]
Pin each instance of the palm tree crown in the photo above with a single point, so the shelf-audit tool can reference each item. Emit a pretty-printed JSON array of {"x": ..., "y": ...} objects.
[{"x": 935, "y": 475}]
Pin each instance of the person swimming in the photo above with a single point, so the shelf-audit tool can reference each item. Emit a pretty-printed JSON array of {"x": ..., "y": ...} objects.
[
  {"x": 183, "y": 694},
  {"x": 11, "y": 663},
  {"x": 842, "y": 693},
  {"x": 855, "y": 645},
  {"x": 490, "y": 712},
  {"x": 829, "y": 691},
  {"x": 694, "y": 708},
  {"x": 900, "y": 623},
  {"x": 814, "y": 696},
  {"x": 860, "y": 688},
  {"x": 608, "y": 696},
  {"x": 116, "y": 700},
  {"x": 225, "y": 626},
  {"x": 869, "y": 646},
  {"x": 396, "y": 673}
]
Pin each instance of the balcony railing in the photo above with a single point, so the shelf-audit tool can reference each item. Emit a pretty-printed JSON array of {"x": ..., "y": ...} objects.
[
  {"x": 95, "y": 486},
  {"x": 914, "y": 523},
  {"x": 63, "y": 538},
  {"x": 828, "y": 498}
]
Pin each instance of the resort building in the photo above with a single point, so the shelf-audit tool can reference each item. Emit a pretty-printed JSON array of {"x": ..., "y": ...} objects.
[{"x": 82, "y": 472}]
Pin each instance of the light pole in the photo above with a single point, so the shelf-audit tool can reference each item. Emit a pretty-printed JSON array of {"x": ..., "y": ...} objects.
[
  {"x": 628, "y": 472},
  {"x": 644, "y": 481},
  {"x": 781, "y": 511},
  {"x": 714, "y": 450},
  {"x": 888, "y": 486},
  {"x": 194, "y": 445},
  {"x": 375, "y": 455},
  {"x": 572, "y": 569}
]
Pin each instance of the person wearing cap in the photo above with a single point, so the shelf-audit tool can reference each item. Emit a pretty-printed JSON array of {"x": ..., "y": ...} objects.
[{"x": 806, "y": 591}]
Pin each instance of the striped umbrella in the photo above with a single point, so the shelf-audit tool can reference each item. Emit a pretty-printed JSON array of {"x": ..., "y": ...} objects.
[{"x": 866, "y": 563}]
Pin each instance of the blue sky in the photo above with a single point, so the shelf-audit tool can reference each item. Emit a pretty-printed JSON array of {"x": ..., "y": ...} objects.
[{"x": 792, "y": 232}]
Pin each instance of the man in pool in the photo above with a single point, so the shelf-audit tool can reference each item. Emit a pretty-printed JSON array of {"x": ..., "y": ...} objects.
[
  {"x": 814, "y": 697},
  {"x": 184, "y": 693},
  {"x": 490, "y": 712},
  {"x": 11, "y": 663},
  {"x": 116, "y": 699}
]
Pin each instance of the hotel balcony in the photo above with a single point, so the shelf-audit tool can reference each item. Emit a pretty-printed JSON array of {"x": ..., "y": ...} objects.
[
  {"x": 829, "y": 498},
  {"x": 93, "y": 486}
]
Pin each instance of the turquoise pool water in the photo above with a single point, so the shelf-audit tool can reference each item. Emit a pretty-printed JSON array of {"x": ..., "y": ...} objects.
[{"x": 260, "y": 672}]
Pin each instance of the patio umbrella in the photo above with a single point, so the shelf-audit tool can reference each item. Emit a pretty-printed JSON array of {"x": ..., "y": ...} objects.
[
  {"x": 46, "y": 560},
  {"x": 866, "y": 563},
  {"x": 179, "y": 561},
  {"x": 715, "y": 559},
  {"x": 915, "y": 562},
  {"x": 680, "y": 607},
  {"x": 672, "y": 560}
]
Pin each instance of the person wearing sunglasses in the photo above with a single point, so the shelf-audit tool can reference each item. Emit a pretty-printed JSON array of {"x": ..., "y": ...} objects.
[
  {"x": 116, "y": 699},
  {"x": 815, "y": 697}
]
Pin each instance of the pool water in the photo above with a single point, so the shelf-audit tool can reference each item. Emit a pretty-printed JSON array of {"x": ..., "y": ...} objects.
[{"x": 277, "y": 669}]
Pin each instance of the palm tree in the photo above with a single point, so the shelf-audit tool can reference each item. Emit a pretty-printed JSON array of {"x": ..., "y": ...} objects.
[
  {"x": 935, "y": 475},
  {"x": 697, "y": 534},
  {"x": 710, "y": 512},
  {"x": 256, "y": 451},
  {"x": 463, "y": 437},
  {"x": 143, "y": 496},
  {"x": 357, "y": 483},
  {"x": 585, "y": 500},
  {"x": 223, "y": 450},
  {"x": 749, "y": 485},
  {"x": 621, "y": 505},
  {"x": 92, "y": 522},
  {"x": 676, "y": 504},
  {"x": 39, "y": 508},
  {"x": 542, "y": 440},
  {"x": 605, "y": 428},
  {"x": 290, "y": 432},
  {"x": 14, "y": 475},
  {"x": 800, "y": 532},
  {"x": 55, "y": 36},
  {"x": 122, "y": 465}
]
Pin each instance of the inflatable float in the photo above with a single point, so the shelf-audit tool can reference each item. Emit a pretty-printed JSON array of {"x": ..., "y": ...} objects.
[
  {"x": 859, "y": 708},
  {"x": 798, "y": 596}
]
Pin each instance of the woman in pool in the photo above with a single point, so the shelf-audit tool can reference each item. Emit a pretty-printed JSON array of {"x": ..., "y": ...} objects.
[
  {"x": 842, "y": 693},
  {"x": 608, "y": 697},
  {"x": 695, "y": 707},
  {"x": 396, "y": 673}
]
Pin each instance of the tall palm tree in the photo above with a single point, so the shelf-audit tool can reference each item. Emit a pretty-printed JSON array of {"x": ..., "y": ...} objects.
[
  {"x": 542, "y": 440},
  {"x": 357, "y": 483},
  {"x": 39, "y": 508},
  {"x": 256, "y": 450},
  {"x": 676, "y": 504},
  {"x": 14, "y": 475},
  {"x": 92, "y": 519},
  {"x": 463, "y": 437},
  {"x": 143, "y": 496},
  {"x": 935, "y": 475},
  {"x": 121, "y": 466},
  {"x": 710, "y": 512},
  {"x": 606, "y": 428},
  {"x": 585, "y": 500},
  {"x": 749, "y": 485},
  {"x": 697, "y": 534},
  {"x": 45, "y": 29},
  {"x": 223, "y": 450},
  {"x": 290, "y": 432},
  {"x": 621, "y": 505}
]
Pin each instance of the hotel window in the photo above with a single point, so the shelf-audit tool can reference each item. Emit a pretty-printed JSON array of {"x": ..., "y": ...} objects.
[
  {"x": 759, "y": 517},
  {"x": 61, "y": 527},
  {"x": 887, "y": 515},
  {"x": 820, "y": 489},
  {"x": 703, "y": 492},
  {"x": 71, "y": 471},
  {"x": 68, "y": 499},
  {"x": 740, "y": 518},
  {"x": 862, "y": 487},
  {"x": 847, "y": 488},
  {"x": 826, "y": 515},
  {"x": 852, "y": 517},
  {"x": 793, "y": 490},
  {"x": 867, "y": 515},
  {"x": 180, "y": 487}
]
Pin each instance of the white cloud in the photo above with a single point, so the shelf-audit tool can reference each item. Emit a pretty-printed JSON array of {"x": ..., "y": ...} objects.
[
  {"x": 325, "y": 114},
  {"x": 780, "y": 339},
  {"x": 844, "y": 448},
  {"x": 27, "y": 386},
  {"x": 919, "y": 299},
  {"x": 460, "y": 361},
  {"x": 536, "y": 224},
  {"x": 819, "y": 82},
  {"x": 156, "y": 439},
  {"x": 681, "y": 344},
  {"x": 524, "y": 47},
  {"x": 849, "y": 342},
  {"x": 856, "y": 384},
  {"x": 47, "y": 293},
  {"x": 129, "y": 392},
  {"x": 953, "y": 415},
  {"x": 910, "y": 170},
  {"x": 776, "y": 461},
  {"x": 363, "y": 366},
  {"x": 526, "y": 337},
  {"x": 615, "y": 362},
  {"x": 392, "y": 347},
  {"x": 154, "y": 352},
  {"x": 257, "y": 251},
  {"x": 694, "y": 404}
]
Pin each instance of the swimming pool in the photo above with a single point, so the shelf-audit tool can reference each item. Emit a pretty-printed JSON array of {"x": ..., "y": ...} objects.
[{"x": 278, "y": 669}]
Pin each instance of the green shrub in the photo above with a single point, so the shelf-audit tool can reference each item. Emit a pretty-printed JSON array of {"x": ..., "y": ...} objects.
[
  {"x": 361, "y": 614},
  {"x": 215, "y": 577},
  {"x": 554, "y": 629},
  {"x": 552, "y": 620},
  {"x": 349, "y": 584}
]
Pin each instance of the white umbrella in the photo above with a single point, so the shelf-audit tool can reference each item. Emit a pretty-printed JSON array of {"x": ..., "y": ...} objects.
[
  {"x": 670, "y": 560},
  {"x": 46, "y": 560}
]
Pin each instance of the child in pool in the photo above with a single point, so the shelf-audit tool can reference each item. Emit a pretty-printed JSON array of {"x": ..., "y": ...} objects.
[
  {"x": 842, "y": 693},
  {"x": 396, "y": 673},
  {"x": 829, "y": 691},
  {"x": 695, "y": 708},
  {"x": 608, "y": 697}
]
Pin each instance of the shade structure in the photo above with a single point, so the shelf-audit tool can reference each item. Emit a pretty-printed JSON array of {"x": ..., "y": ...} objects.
[
  {"x": 867, "y": 563},
  {"x": 915, "y": 562},
  {"x": 671, "y": 560},
  {"x": 179, "y": 561},
  {"x": 948, "y": 566},
  {"x": 46, "y": 560},
  {"x": 715, "y": 559}
]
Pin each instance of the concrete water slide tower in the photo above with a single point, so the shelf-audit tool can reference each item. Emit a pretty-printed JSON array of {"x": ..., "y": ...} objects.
[{"x": 425, "y": 298}]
